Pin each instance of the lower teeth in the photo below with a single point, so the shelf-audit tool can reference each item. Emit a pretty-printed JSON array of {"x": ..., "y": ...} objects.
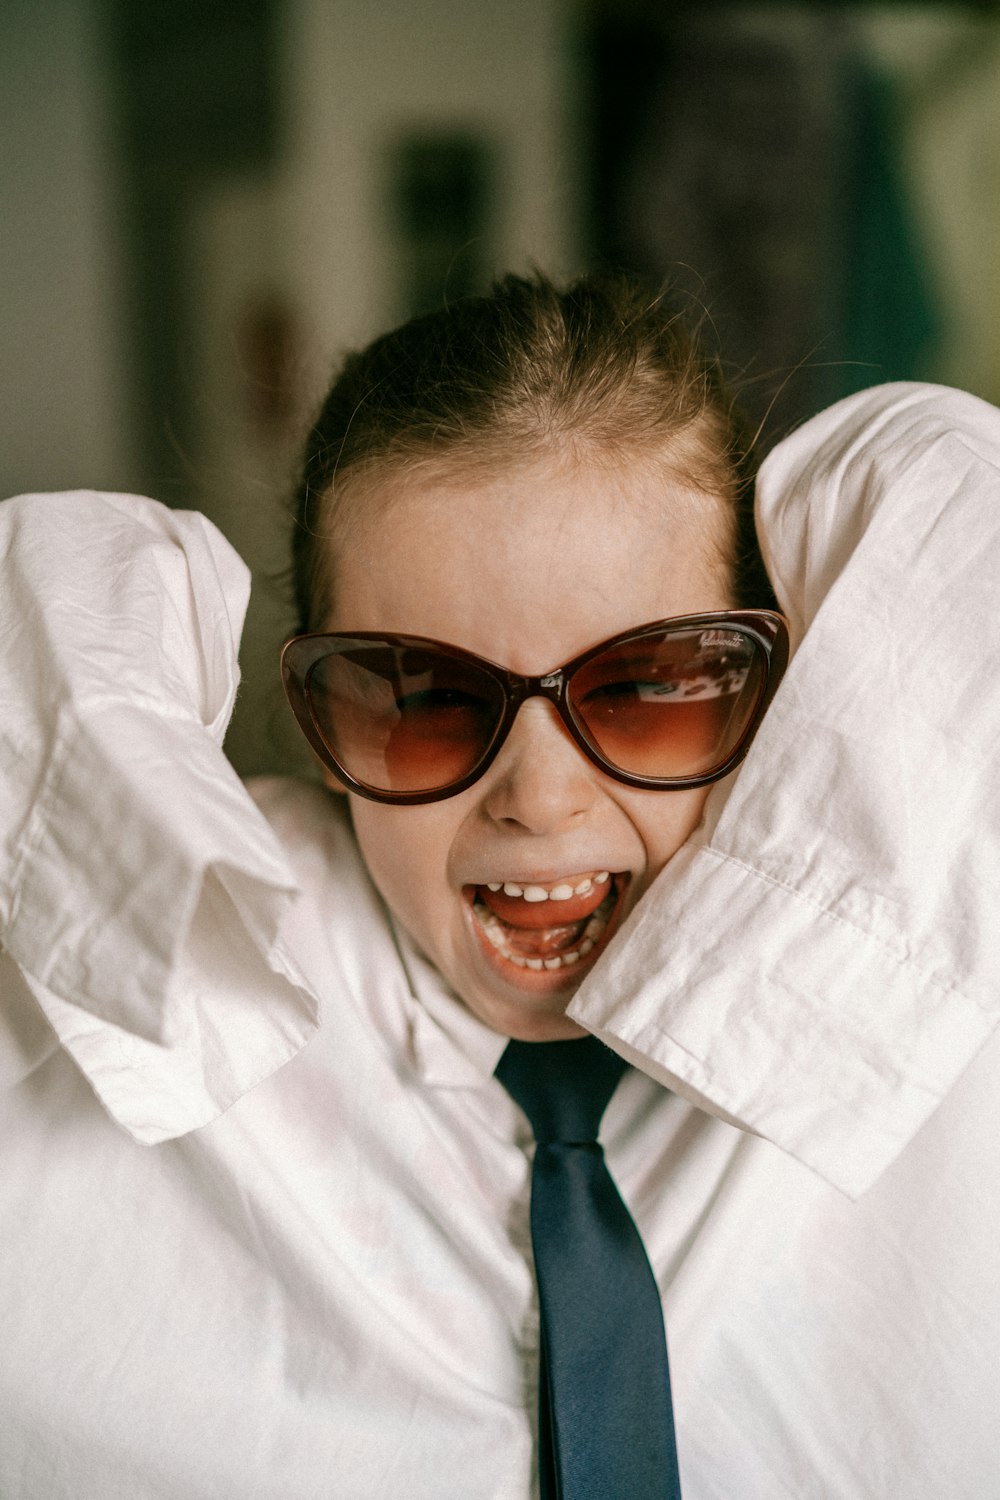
[{"x": 592, "y": 934}]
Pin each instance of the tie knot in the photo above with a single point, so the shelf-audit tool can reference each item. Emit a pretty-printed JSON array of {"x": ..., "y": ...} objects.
[{"x": 563, "y": 1087}]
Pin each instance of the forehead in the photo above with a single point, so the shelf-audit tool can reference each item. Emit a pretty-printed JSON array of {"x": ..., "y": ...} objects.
[{"x": 528, "y": 564}]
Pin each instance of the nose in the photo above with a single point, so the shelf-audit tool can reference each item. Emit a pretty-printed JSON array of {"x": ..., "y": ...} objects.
[{"x": 541, "y": 781}]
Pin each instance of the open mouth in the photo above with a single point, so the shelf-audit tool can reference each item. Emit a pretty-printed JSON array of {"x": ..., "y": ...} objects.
[{"x": 553, "y": 928}]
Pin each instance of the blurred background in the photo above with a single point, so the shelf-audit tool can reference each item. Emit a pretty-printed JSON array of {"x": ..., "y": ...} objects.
[{"x": 205, "y": 202}]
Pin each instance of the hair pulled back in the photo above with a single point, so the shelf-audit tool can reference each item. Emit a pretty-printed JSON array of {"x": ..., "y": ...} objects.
[{"x": 601, "y": 367}]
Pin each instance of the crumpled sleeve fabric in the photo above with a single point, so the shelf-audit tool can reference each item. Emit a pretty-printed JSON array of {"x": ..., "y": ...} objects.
[
  {"x": 819, "y": 963},
  {"x": 141, "y": 892}
]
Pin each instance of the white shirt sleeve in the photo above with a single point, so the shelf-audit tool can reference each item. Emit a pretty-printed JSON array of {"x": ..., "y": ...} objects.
[
  {"x": 140, "y": 889},
  {"x": 819, "y": 963}
]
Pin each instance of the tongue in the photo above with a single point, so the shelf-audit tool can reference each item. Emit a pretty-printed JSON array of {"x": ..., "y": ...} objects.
[
  {"x": 543, "y": 914},
  {"x": 543, "y": 942}
]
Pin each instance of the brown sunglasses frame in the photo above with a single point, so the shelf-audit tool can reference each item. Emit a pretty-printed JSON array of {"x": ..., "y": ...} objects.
[{"x": 300, "y": 654}]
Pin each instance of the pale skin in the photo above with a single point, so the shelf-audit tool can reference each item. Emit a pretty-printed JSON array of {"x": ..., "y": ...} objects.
[{"x": 528, "y": 567}]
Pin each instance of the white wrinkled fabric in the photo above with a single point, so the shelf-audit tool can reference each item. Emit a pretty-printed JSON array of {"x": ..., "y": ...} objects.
[
  {"x": 819, "y": 962},
  {"x": 326, "y": 1293},
  {"x": 140, "y": 890}
]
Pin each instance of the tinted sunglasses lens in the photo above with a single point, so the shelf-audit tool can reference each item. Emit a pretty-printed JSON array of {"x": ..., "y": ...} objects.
[
  {"x": 403, "y": 720},
  {"x": 676, "y": 703}
]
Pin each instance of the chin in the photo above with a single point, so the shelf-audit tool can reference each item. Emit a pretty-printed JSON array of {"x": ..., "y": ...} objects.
[
  {"x": 562, "y": 1030},
  {"x": 525, "y": 1017},
  {"x": 524, "y": 1026}
]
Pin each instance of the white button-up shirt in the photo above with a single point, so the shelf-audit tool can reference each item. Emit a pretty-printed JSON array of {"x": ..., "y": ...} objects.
[{"x": 302, "y": 1267}]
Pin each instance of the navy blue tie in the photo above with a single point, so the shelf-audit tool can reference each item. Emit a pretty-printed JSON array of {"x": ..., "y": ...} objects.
[{"x": 605, "y": 1428}]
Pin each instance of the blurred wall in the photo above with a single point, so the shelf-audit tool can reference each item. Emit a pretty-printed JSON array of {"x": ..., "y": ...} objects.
[
  {"x": 945, "y": 61},
  {"x": 824, "y": 180},
  {"x": 65, "y": 418},
  {"x": 359, "y": 78}
]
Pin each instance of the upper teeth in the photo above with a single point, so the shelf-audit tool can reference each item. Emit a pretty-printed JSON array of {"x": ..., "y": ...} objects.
[{"x": 561, "y": 892}]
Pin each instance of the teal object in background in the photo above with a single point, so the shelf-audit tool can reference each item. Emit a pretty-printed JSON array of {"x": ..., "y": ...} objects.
[{"x": 889, "y": 323}]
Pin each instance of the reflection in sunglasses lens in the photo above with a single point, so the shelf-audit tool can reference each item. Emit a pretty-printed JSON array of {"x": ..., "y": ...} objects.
[
  {"x": 670, "y": 705},
  {"x": 402, "y": 720}
]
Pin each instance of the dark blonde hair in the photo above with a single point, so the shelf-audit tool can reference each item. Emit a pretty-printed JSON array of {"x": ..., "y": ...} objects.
[{"x": 601, "y": 366}]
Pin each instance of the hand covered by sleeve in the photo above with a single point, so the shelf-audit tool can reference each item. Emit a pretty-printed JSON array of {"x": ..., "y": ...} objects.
[
  {"x": 141, "y": 891},
  {"x": 819, "y": 962}
]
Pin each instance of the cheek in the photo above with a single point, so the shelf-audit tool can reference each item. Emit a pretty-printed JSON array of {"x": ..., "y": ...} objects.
[
  {"x": 405, "y": 850},
  {"x": 378, "y": 831},
  {"x": 668, "y": 823}
]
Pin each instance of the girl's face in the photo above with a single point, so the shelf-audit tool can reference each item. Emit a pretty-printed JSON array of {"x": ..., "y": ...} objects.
[{"x": 527, "y": 568}]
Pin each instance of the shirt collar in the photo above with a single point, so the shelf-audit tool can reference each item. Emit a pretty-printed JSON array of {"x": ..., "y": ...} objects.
[{"x": 450, "y": 1047}]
